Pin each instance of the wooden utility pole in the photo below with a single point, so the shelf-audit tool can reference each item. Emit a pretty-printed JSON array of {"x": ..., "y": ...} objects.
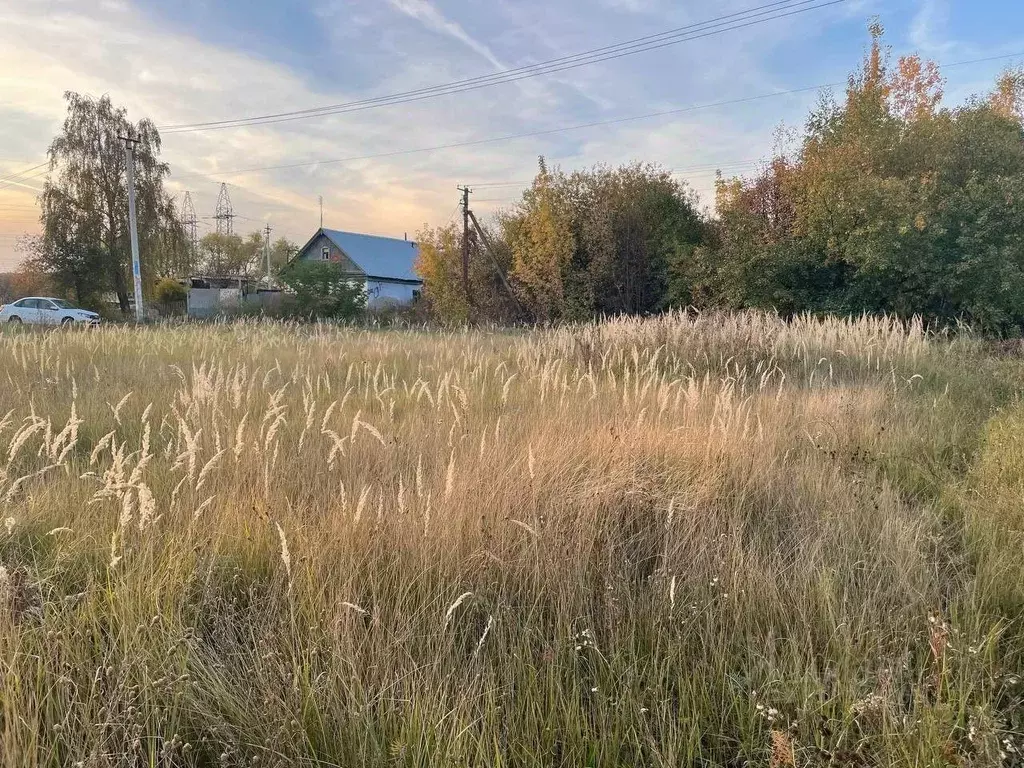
[
  {"x": 465, "y": 244},
  {"x": 497, "y": 266}
]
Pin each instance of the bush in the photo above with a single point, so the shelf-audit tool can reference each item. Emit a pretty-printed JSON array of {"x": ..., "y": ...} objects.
[
  {"x": 169, "y": 291},
  {"x": 322, "y": 290}
]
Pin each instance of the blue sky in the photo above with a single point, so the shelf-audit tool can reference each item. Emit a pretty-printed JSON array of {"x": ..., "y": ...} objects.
[{"x": 199, "y": 60}]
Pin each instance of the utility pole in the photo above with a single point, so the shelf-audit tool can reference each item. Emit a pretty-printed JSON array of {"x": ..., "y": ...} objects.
[
  {"x": 497, "y": 266},
  {"x": 321, "y": 198},
  {"x": 129, "y": 160},
  {"x": 267, "y": 250},
  {"x": 465, "y": 244}
]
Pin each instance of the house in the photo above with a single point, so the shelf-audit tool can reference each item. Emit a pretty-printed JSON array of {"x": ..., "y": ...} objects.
[{"x": 383, "y": 264}]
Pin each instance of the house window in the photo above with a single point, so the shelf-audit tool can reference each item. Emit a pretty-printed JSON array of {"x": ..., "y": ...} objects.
[
  {"x": 415, "y": 295},
  {"x": 325, "y": 253}
]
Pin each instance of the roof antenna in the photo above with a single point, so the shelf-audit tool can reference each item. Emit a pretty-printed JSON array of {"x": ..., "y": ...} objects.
[{"x": 321, "y": 211}]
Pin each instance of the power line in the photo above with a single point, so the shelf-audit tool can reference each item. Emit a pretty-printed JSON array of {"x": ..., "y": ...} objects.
[
  {"x": 743, "y": 19},
  {"x": 23, "y": 172},
  {"x": 510, "y": 137},
  {"x": 563, "y": 129},
  {"x": 693, "y": 169}
]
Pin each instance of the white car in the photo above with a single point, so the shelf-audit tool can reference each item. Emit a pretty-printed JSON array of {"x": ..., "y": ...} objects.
[{"x": 42, "y": 310}]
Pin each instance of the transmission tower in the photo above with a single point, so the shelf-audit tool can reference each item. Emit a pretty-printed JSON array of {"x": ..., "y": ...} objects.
[
  {"x": 190, "y": 223},
  {"x": 225, "y": 213}
]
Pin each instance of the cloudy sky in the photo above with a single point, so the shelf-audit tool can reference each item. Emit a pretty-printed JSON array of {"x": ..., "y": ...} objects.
[{"x": 193, "y": 61}]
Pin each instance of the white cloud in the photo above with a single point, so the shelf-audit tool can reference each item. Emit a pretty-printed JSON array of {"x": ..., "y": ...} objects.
[
  {"x": 427, "y": 13},
  {"x": 927, "y": 29}
]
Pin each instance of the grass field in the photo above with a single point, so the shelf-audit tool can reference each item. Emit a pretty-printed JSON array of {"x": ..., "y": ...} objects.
[{"x": 715, "y": 540}]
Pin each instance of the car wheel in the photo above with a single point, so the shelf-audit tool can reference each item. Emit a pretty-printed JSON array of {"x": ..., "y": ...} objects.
[
  {"x": 14, "y": 319},
  {"x": 67, "y": 321}
]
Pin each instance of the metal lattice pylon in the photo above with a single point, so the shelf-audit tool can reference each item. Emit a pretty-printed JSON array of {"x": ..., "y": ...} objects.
[
  {"x": 190, "y": 223},
  {"x": 225, "y": 213}
]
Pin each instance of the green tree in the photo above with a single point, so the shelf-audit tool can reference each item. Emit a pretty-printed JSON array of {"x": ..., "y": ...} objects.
[
  {"x": 281, "y": 252},
  {"x": 541, "y": 241},
  {"x": 602, "y": 241},
  {"x": 85, "y": 245},
  {"x": 221, "y": 254},
  {"x": 892, "y": 204},
  {"x": 439, "y": 265},
  {"x": 323, "y": 291}
]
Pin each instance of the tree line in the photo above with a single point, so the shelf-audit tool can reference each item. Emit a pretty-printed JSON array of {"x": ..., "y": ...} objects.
[
  {"x": 84, "y": 250},
  {"x": 889, "y": 202}
]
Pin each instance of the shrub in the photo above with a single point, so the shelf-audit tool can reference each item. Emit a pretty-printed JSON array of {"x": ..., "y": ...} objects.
[{"x": 323, "y": 291}]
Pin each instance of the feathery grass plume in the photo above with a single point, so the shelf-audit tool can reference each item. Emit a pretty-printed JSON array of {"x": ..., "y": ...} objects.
[
  {"x": 116, "y": 409},
  {"x": 449, "y": 477},
  {"x": 672, "y": 593},
  {"x": 529, "y": 461},
  {"x": 208, "y": 467},
  {"x": 529, "y": 529},
  {"x": 419, "y": 476},
  {"x": 65, "y": 440},
  {"x": 272, "y": 432},
  {"x": 147, "y": 507},
  {"x": 9, "y": 524},
  {"x": 286, "y": 556},
  {"x": 355, "y": 427},
  {"x": 506, "y": 387},
  {"x": 6, "y": 421},
  {"x": 483, "y": 637},
  {"x": 12, "y": 492},
  {"x": 337, "y": 446},
  {"x": 364, "y": 494},
  {"x": 427, "y": 509},
  {"x": 454, "y": 606},
  {"x": 21, "y": 437},
  {"x": 203, "y": 507},
  {"x": 310, "y": 416},
  {"x": 115, "y": 552},
  {"x": 240, "y": 437},
  {"x": 373, "y": 431},
  {"x": 356, "y": 608},
  {"x": 55, "y": 531},
  {"x": 327, "y": 415},
  {"x": 127, "y": 510},
  {"x": 144, "y": 459}
]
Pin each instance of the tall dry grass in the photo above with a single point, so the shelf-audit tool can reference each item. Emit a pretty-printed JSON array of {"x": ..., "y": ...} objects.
[{"x": 715, "y": 540}]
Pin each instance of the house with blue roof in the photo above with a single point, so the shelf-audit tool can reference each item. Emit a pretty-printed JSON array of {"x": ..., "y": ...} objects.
[{"x": 383, "y": 264}]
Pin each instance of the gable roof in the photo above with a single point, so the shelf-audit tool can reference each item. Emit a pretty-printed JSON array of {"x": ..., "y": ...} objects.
[{"x": 386, "y": 257}]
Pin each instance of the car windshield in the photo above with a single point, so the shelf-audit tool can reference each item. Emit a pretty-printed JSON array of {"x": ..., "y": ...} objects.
[{"x": 61, "y": 304}]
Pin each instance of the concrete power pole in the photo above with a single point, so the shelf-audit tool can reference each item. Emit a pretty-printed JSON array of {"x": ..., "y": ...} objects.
[
  {"x": 465, "y": 244},
  {"x": 129, "y": 159},
  {"x": 267, "y": 252}
]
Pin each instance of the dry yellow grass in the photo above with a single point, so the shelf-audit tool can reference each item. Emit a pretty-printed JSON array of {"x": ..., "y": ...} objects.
[{"x": 691, "y": 539}]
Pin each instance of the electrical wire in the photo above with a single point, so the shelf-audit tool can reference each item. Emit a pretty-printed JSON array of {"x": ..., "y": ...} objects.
[
  {"x": 23, "y": 172},
  {"x": 563, "y": 129},
  {"x": 629, "y": 48}
]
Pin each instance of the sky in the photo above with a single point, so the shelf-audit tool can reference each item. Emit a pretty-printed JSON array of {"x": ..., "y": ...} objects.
[{"x": 196, "y": 61}]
